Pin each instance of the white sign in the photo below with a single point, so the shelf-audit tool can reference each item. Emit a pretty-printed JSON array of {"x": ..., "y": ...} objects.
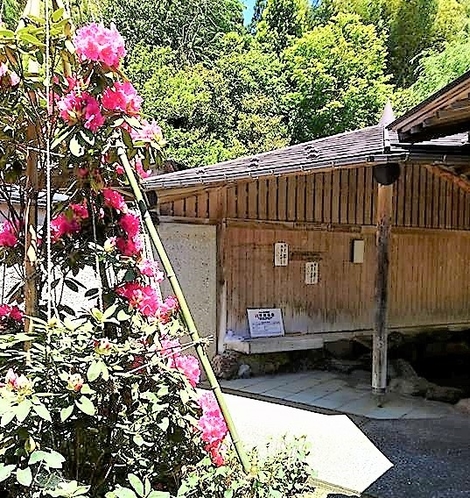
[
  {"x": 281, "y": 254},
  {"x": 266, "y": 322},
  {"x": 311, "y": 273}
]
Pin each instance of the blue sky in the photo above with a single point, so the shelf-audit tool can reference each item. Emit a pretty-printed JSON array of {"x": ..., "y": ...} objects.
[{"x": 248, "y": 10}]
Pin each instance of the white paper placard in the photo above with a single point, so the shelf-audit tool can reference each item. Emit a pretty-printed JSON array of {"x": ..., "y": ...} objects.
[
  {"x": 311, "y": 273},
  {"x": 281, "y": 254},
  {"x": 265, "y": 322}
]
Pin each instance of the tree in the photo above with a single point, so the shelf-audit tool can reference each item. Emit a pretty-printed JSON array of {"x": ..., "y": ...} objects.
[
  {"x": 192, "y": 28},
  {"x": 210, "y": 114},
  {"x": 282, "y": 22},
  {"x": 337, "y": 79},
  {"x": 436, "y": 69},
  {"x": 258, "y": 10}
]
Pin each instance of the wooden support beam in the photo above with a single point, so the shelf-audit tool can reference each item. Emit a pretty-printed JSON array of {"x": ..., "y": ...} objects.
[
  {"x": 379, "y": 353},
  {"x": 460, "y": 181},
  {"x": 30, "y": 286}
]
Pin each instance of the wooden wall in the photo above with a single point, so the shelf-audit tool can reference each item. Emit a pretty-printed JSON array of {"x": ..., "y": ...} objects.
[
  {"x": 430, "y": 248},
  {"x": 429, "y": 279},
  {"x": 346, "y": 196}
]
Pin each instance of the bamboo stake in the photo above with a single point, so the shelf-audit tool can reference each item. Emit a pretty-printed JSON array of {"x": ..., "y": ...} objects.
[{"x": 186, "y": 313}]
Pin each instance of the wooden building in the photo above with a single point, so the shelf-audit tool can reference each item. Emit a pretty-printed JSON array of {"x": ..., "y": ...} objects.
[{"x": 363, "y": 257}]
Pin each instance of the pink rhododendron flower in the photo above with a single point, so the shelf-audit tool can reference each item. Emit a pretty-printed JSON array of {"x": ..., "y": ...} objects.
[
  {"x": 149, "y": 132},
  {"x": 61, "y": 225},
  {"x": 8, "y": 78},
  {"x": 130, "y": 223},
  {"x": 14, "y": 78},
  {"x": 211, "y": 423},
  {"x": 187, "y": 364},
  {"x": 78, "y": 107},
  {"x": 100, "y": 44},
  {"x": 122, "y": 97},
  {"x": 114, "y": 200},
  {"x": 167, "y": 309},
  {"x": 129, "y": 247},
  {"x": 150, "y": 268},
  {"x": 75, "y": 382},
  {"x": 141, "y": 297},
  {"x": 19, "y": 383},
  {"x": 80, "y": 211},
  {"x": 139, "y": 168},
  {"x": 8, "y": 236},
  {"x": 9, "y": 311}
]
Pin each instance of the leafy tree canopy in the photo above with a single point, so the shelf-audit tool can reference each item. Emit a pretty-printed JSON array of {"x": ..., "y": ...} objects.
[
  {"x": 337, "y": 77},
  {"x": 191, "y": 28},
  {"x": 217, "y": 113}
]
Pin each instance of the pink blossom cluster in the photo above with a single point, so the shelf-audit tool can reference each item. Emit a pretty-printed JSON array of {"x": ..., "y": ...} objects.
[
  {"x": 8, "y": 78},
  {"x": 97, "y": 43},
  {"x": 75, "y": 382},
  {"x": 122, "y": 97},
  {"x": 212, "y": 426},
  {"x": 8, "y": 236},
  {"x": 168, "y": 308},
  {"x": 187, "y": 364},
  {"x": 18, "y": 383},
  {"x": 77, "y": 106},
  {"x": 68, "y": 222},
  {"x": 131, "y": 244},
  {"x": 149, "y": 132},
  {"x": 114, "y": 200},
  {"x": 149, "y": 268},
  {"x": 141, "y": 297},
  {"x": 9, "y": 311}
]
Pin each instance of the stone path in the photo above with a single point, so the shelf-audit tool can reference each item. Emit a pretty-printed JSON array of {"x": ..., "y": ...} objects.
[{"x": 343, "y": 393}]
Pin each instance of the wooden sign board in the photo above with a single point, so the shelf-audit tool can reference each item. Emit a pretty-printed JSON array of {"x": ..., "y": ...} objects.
[{"x": 265, "y": 322}]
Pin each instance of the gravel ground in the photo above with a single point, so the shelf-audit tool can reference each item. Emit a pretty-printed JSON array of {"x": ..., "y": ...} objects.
[{"x": 431, "y": 457}]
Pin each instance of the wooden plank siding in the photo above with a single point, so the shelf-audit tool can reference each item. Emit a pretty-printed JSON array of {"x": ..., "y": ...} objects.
[
  {"x": 428, "y": 280},
  {"x": 421, "y": 200}
]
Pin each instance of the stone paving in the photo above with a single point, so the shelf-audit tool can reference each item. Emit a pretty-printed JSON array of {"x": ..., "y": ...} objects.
[{"x": 338, "y": 392}]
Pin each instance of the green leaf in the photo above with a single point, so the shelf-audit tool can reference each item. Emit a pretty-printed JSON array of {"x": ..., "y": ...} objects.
[
  {"x": 94, "y": 370},
  {"x": 86, "y": 406},
  {"x": 136, "y": 483},
  {"x": 54, "y": 459},
  {"x": 122, "y": 316},
  {"x": 164, "y": 424},
  {"x": 124, "y": 493},
  {"x": 24, "y": 476},
  {"x": 75, "y": 148},
  {"x": 58, "y": 14},
  {"x": 7, "y": 418},
  {"x": 7, "y": 33},
  {"x": 43, "y": 412},
  {"x": 109, "y": 312},
  {"x": 138, "y": 440},
  {"x": 66, "y": 412},
  {"x": 29, "y": 38},
  {"x": 159, "y": 494},
  {"x": 5, "y": 471},
  {"x": 22, "y": 410}
]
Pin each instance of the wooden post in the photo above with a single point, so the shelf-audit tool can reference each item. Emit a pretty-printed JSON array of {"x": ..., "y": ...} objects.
[
  {"x": 379, "y": 352},
  {"x": 32, "y": 180},
  {"x": 221, "y": 322}
]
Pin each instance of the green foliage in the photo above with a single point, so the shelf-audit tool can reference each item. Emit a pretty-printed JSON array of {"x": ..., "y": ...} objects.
[
  {"x": 83, "y": 418},
  {"x": 337, "y": 78},
  {"x": 279, "y": 471},
  {"x": 282, "y": 22},
  {"x": 210, "y": 114},
  {"x": 436, "y": 70},
  {"x": 191, "y": 28}
]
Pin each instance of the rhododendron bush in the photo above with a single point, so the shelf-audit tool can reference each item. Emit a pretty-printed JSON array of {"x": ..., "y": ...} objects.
[{"x": 103, "y": 400}]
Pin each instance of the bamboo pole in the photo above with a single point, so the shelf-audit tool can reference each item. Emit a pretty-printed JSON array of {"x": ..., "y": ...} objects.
[{"x": 186, "y": 313}]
